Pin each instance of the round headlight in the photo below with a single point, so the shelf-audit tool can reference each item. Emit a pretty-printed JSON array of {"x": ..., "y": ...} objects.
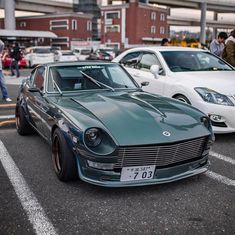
[
  {"x": 206, "y": 122},
  {"x": 93, "y": 137}
]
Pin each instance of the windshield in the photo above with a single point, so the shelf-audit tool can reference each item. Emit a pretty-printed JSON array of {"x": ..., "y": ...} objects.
[
  {"x": 75, "y": 78},
  {"x": 184, "y": 61}
]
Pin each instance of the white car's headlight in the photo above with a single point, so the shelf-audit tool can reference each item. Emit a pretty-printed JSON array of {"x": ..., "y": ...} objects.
[{"x": 214, "y": 97}]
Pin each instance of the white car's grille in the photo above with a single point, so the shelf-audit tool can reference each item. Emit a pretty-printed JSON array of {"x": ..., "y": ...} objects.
[{"x": 161, "y": 155}]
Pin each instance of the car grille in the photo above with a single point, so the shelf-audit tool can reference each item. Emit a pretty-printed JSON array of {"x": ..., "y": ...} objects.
[{"x": 161, "y": 155}]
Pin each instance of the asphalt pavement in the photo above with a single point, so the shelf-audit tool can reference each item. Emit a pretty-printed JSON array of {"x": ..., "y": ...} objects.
[{"x": 34, "y": 201}]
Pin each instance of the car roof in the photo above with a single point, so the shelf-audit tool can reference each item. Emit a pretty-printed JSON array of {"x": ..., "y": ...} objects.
[
  {"x": 166, "y": 48},
  {"x": 69, "y": 63}
]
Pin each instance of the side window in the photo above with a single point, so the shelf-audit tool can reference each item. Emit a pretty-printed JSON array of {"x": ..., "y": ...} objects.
[
  {"x": 131, "y": 59},
  {"x": 39, "y": 77},
  {"x": 147, "y": 60}
]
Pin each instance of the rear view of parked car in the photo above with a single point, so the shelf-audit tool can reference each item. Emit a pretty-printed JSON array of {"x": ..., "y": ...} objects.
[
  {"x": 6, "y": 61},
  {"x": 39, "y": 55},
  {"x": 65, "y": 55},
  {"x": 100, "y": 55},
  {"x": 82, "y": 54}
]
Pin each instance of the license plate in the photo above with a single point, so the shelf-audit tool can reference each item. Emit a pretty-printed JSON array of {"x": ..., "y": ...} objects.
[{"x": 137, "y": 173}]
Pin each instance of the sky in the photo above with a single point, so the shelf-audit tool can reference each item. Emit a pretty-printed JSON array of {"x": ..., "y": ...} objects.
[{"x": 174, "y": 12}]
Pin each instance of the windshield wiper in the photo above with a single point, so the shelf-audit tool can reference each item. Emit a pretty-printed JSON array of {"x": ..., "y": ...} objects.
[
  {"x": 99, "y": 84},
  {"x": 56, "y": 85}
]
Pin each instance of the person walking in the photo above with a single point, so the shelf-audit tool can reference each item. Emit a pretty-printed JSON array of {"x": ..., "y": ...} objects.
[
  {"x": 217, "y": 45},
  {"x": 15, "y": 56},
  {"x": 229, "y": 50},
  {"x": 2, "y": 79}
]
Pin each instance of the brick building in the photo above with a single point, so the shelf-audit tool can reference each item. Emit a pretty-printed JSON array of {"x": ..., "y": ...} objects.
[
  {"x": 68, "y": 27},
  {"x": 133, "y": 23}
]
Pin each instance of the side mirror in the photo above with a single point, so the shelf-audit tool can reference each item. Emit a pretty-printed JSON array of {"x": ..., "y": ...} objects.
[
  {"x": 154, "y": 69},
  {"x": 34, "y": 89},
  {"x": 144, "y": 84}
]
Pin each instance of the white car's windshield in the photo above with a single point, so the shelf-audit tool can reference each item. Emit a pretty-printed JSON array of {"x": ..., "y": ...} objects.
[
  {"x": 86, "y": 77},
  {"x": 184, "y": 61}
]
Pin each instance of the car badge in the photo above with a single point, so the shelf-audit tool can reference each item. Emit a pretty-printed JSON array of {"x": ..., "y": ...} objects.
[{"x": 166, "y": 133}]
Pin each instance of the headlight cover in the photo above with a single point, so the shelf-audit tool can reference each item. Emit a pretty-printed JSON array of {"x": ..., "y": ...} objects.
[
  {"x": 98, "y": 141},
  {"x": 212, "y": 96},
  {"x": 93, "y": 137}
]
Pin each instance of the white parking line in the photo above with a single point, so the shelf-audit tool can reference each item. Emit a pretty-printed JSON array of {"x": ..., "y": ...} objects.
[
  {"x": 35, "y": 212},
  {"x": 220, "y": 178},
  {"x": 222, "y": 157},
  {"x": 7, "y": 117}
]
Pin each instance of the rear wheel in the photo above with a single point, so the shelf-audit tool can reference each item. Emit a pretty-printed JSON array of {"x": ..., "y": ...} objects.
[
  {"x": 63, "y": 158},
  {"x": 22, "y": 125},
  {"x": 182, "y": 98}
]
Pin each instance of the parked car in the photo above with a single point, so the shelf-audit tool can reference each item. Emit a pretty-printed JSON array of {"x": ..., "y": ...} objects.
[
  {"x": 109, "y": 50},
  {"x": 104, "y": 129},
  {"x": 38, "y": 55},
  {"x": 64, "y": 55},
  {"x": 6, "y": 61},
  {"x": 100, "y": 55},
  {"x": 193, "y": 76},
  {"x": 82, "y": 53}
]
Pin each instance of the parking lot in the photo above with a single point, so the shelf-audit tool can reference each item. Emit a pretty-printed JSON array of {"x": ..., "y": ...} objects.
[{"x": 34, "y": 201}]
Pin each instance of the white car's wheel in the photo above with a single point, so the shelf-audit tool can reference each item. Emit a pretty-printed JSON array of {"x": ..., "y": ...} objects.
[{"x": 182, "y": 98}]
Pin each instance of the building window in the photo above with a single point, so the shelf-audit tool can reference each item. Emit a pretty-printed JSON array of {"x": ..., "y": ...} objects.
[
  {"x": 74, "y": 25},
  {"x": 162, "y": 17},
  {"x": 162, "y": 30},
  {"x": 89, "y": 26},
  {"x": 153, "y": 15},
  {"x": 112, "y": 15},
  {"x": 153, "y": 29},
  {"x": 59, "y": 24},
  {"x": 60, "y": 41},
  {"x": 22, "y": 24},
  {"x": 41, "y": 40},
  {"x": 112, "y": 28}
]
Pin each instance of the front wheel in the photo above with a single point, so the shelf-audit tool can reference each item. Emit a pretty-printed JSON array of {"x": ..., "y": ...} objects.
[
  {"x": 63, "y": 158},
  {"x": 182, "y": 98},
  {"x": 22, "y": 125}
]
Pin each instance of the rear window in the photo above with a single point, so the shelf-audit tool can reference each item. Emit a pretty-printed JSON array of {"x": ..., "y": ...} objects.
[
  {"x": 67, "y": 53},
  {"x": 42, "y": 50}
]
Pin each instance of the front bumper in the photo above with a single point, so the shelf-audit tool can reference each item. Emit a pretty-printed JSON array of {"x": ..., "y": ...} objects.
[
  {"x": 109, "y": 178},
  {"x": 226, "y": 112}
]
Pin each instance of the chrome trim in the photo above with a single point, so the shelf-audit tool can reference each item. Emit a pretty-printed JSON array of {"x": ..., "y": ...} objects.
[{"x": 161, "y": 155}]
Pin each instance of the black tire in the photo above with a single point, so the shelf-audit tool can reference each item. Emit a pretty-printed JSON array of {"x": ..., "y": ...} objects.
[
  {"x": 182, "y": 98},
  {"x": 22, "y": 125},
  {"x": 64, "y": 161}
]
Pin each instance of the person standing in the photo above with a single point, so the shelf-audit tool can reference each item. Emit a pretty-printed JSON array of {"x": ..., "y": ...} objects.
[
  {"x": 229, "y": 50},
  {"x": 2, "y": 79},
  {"x": 15, "y": 56},
  {"x": 165, "y": 42},
  {"x": 217, "y": 45}
]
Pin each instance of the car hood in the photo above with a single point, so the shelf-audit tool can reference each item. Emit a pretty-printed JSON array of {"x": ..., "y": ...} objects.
[
  {"x": 220, "y": 81},
  {"x": 134, "y": 118}
]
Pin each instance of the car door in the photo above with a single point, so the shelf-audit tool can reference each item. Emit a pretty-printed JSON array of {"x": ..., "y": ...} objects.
[
  {"x": 139, "y": 68},
  {"x": 35, "y": 97}
]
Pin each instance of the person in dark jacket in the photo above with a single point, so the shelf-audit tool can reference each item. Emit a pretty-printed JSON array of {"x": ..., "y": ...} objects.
[
  {"x": 3, "y": 86},
  {"x": 229, "y": 50},
  {"x": 15, "y": 56}
]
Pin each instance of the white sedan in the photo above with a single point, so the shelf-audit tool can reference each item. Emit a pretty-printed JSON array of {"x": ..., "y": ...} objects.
[
  {"x": 64, "y": 55},
  {"x": 194, "y": 76}
]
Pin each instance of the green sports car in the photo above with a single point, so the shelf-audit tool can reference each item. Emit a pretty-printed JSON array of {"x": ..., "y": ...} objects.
[{"x": 104, "y": 129}]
